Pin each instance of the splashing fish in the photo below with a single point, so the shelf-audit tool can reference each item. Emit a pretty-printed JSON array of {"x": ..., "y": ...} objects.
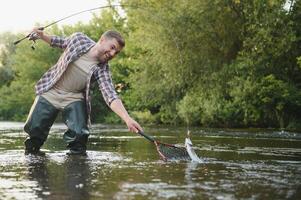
[{"x": 188, "y": 145}]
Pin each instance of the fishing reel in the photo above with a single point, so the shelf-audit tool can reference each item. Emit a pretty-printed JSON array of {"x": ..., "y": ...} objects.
[{"x": 33, "y": 37}]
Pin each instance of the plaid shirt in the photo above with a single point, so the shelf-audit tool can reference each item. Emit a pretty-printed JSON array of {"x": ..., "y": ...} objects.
[{"x": 74, "y": 46}]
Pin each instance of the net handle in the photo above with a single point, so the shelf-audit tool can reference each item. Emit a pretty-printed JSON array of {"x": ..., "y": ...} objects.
[
  {"x": 147, "y": 136},
  {"x": 151, "y": 139}
]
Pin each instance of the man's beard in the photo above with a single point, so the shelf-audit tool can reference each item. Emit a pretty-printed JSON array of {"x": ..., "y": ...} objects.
[{"x": 104, "y": 58}]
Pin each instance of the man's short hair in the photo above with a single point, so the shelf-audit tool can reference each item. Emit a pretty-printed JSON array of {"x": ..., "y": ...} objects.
[{"x": 110, "y": 34}]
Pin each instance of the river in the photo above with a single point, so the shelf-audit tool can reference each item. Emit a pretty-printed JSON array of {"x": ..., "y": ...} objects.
[{"x": 239, "y": 164}]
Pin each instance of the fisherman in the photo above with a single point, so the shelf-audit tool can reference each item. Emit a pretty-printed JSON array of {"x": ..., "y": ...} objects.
[{"x": 65, "y": 87}]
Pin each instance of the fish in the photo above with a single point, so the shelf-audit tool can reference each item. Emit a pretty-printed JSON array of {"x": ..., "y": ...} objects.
[{"x": 188, "y": 145}]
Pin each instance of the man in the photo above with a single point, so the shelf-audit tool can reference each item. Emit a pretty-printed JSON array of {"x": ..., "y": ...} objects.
[{"x": 65, "y": 87}]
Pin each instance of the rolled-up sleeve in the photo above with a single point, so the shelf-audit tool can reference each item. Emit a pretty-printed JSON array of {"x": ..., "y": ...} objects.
[
  {"x": 104, "y": 80},
  {"x": 57, "y": 41}
]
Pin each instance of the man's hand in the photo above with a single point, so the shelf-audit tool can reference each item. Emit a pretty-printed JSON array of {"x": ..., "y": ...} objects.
[
  {"x": 35, "y": 34},
  {"x": 38, "y": 33},
  {"x": 132, "y": 125}
]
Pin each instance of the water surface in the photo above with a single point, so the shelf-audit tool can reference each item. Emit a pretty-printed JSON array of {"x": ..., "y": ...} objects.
[{"x": 239, "y": 164}]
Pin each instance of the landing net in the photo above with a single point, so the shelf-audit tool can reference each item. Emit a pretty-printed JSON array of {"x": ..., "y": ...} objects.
[{"x": 172, "y": 152}]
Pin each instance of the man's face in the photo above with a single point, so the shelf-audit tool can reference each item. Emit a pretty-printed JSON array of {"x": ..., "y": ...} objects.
[{"x": 108, "y": 48}]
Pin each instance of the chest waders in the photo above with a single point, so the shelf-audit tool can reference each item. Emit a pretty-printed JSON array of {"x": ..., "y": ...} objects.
[{"x": 42, "y": 117}]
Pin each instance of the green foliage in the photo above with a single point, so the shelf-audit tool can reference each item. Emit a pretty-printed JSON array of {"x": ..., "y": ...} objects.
[
  {"x": 111, "y": 118},
  {"x": 144, "y": 117},
  {"x": 16, "y": 100},
  {"x": 279, "y": 99},
  {"x": 6, "y": 75},
  {"x": 210, "y": 60},
  {"x": 6, "y": 49},
  {"x": 234, "y": 63}
]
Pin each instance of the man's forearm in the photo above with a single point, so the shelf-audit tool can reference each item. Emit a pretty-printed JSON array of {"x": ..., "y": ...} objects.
[{"x": 119, "y": 109}]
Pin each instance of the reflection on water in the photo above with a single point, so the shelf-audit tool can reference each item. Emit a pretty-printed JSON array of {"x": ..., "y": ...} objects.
[{"x": 120, "y": 165}]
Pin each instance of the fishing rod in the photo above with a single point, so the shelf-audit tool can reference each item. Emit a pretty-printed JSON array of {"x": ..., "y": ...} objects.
[{"x": 33, "y": 36}]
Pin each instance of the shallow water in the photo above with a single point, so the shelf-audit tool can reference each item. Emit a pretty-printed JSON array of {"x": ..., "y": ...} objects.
[{"x": 239, "y": 164}]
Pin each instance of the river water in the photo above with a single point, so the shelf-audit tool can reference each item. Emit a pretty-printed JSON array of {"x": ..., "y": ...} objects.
[{"x": 239, "y": 164}]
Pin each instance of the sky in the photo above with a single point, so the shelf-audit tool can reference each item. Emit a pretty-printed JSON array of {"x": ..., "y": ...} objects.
[{"x": 22, "y": 15}]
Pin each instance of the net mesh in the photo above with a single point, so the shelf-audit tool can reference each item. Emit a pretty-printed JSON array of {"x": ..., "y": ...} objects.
[{"x": 172, "y": 152}]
